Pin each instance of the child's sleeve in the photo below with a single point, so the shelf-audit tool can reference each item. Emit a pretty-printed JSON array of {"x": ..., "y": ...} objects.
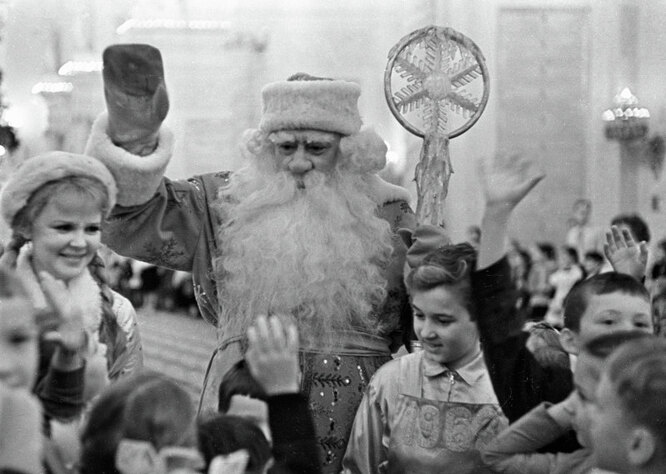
[
  {"x": 292, "y": 428},
  {"x": 519, "y": 381},
  {"x": 515, "y": 449},
  {"x": 366, "y": 449}
]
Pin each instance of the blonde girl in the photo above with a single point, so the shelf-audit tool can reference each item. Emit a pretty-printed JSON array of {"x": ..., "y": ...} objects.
[{"x": 54, "y": 204}]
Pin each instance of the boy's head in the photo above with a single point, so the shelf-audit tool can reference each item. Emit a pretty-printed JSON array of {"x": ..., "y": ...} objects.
[
  {"x": 637, "y": 227},
  {"x": 238, "y": 381},
  {"x": 147, "y": 409},
  {"x": 225, "y": 434},
  {"x": 588, "y": 372},
  {"x": 18, "y": 333},
  {"x": 628, "y": 431},
  {"x": 241, "y": 395},
  {"x": 602, "y": 304}
]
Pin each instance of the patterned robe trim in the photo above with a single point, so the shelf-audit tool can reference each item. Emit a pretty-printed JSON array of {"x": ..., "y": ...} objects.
[{"x": 137, "y": 177}]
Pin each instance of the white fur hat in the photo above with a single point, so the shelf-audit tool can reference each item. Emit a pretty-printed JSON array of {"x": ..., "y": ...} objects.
[
  {"x": 52, "y": 166},
  {"x": 306, "y": 102}
]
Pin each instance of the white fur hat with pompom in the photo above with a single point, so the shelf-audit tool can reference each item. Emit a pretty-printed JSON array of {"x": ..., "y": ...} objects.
[{"x": 34, "y": 172}]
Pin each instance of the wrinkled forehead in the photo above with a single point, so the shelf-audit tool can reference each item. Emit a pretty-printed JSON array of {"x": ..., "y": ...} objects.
[{"x": 306, "y": 136}]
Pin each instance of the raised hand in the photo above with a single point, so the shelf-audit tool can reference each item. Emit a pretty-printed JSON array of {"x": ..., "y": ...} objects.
[
  {"x": 69, "y": 332},
  {"x": 272, "y": 356},
  {"x": 624, "y": 254},
  {"x": 136, "y": 96},
  {"x": 507, "y": 179}
]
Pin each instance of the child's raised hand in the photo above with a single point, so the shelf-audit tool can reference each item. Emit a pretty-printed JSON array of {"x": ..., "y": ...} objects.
[
  {"x": 624, "y": 254},
  {"x": 507, "y": 179},
  {"x": 70, "y": 333},
  {"x": 272, "y": 356}
]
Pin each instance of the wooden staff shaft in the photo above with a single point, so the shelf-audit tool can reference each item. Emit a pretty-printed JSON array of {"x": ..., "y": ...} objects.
[{"x": 432, "y": 179}]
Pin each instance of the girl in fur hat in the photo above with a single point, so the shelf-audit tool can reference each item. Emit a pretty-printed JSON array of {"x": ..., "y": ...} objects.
[{"x": 54, "y": 204}]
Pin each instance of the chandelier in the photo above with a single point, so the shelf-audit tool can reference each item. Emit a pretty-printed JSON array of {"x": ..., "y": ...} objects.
[{"x": 626, "y": 120}]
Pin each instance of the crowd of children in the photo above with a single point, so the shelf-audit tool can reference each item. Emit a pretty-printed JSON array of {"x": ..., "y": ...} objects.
[{"x": 486, "y": 392}]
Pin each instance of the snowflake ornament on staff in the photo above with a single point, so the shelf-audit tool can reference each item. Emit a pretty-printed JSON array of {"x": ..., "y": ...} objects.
[{"x": 436, "y": 85}]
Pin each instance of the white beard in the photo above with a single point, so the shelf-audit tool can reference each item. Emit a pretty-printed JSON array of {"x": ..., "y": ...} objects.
[{"x": 316, "y": 254}]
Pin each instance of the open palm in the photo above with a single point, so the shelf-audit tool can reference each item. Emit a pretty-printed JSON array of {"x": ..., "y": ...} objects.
[
  {"x": 507, "y": 179},
  {"x": 625, "y": 254}
]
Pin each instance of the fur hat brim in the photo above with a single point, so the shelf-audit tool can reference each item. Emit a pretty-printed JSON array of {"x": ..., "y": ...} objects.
[
  {"x": 52, "y": 166},
  {"x": 326, "y": 105}
]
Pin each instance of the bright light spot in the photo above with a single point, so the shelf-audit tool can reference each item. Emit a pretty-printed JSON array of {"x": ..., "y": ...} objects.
[
  {"x": 74, "y": 67},
  {"x": 3, "y": 150},
  {"x": 52, "y": 87},
  {"x": 15, "y": 117},
  {"x": 170, "y": 24}
]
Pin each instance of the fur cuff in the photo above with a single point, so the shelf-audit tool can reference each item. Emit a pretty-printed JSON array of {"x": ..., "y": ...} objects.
[
  {"x": 382, "y": 192},
  {"x": 137, "y": 177}
]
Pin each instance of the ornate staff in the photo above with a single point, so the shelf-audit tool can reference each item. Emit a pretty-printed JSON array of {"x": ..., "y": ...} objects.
[{"x": 436, "y": 85}]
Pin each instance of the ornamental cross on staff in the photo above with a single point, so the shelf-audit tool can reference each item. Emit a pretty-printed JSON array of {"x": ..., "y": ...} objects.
[{"x": 436, "y": 85}]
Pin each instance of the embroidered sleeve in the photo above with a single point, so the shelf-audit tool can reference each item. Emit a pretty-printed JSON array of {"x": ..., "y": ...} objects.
[
  {"x": 515, "y": 448},
  {"x": 366, "y": 452},
  {"x": 398, "y": 214},
  {"x": 163, "y": 231}
]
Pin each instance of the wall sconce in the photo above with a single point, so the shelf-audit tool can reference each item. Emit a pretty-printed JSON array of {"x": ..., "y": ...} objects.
[
  {"x": 626, "y": 120},
  {"x": 628, "y": 123}
]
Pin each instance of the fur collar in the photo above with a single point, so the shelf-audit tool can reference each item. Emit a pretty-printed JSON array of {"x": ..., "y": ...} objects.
[{"x": 83, "y": 289}]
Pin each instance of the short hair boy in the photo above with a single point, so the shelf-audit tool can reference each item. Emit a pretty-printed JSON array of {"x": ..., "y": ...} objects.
[
  {"x": 628, "y": 431},
  {"x": 604, "y": 303},
  {"x": 518, "y": 448},
  {"x": 241, "y": 395},
  {"x": 635, "y": 224}
]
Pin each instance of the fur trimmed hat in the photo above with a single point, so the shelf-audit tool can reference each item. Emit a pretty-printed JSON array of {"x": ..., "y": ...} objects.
[
  {"x": 307, "y": 102},
  {"x": 52, "y": 166}
]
